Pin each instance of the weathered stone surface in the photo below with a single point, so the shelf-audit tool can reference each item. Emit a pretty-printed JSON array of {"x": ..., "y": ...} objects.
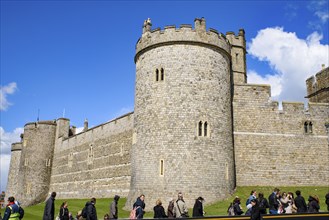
[{"x": 184, "y": 78}]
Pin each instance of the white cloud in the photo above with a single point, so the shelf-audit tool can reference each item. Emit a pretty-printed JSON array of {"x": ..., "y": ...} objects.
[
  {"x": 320, "y": 10},
  {"x": 4, "y": 91},
  {"x": 293, "y": 60},
  {"x": 7, "y": 138},
  {"x": 274, "y": 80}
]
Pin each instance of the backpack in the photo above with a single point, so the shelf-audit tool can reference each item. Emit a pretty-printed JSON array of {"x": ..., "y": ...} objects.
[
  {"x": 231, "y": 210},
  {"x": 133, "y": 213},
  {"x": 21, "y": 212},
  {"x": 84, "y": 212}
]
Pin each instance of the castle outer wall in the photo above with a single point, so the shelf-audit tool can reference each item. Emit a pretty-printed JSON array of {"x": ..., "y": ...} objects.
[
  {"x": 165, "y": 146},
  {"x": 279, "y": 147},
  {"x": 94, "y": 163}
]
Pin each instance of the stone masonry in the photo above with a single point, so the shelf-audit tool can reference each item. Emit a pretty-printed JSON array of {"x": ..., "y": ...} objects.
[{"x": 197, "y": 127}]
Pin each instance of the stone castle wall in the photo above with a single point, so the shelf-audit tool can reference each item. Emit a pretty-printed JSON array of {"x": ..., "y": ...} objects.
[
  {"x": 95, "y": 163},
  {"x": 36, "y": 161},
  {"x": 195, "y": 88},
  {"x": 271, "y": 144},
  {"x": 184, "y": 78},
  {"x": 318, "y": 87},
  {"x": 13, "y": 176}
]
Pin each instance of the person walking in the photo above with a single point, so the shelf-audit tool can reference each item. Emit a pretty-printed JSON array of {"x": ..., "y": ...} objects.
[
  {"x": 313, "y": 204},
  {"x": 180, "y": 209},
  {"x": 49, "y": 210},
  {"x": 237, "y": 206},
  {"x": 140, "y": 206},
  {"x": 273, "y": 201},
  {"x": 327, "y": 201},
  {"x": 300, "y": 203},
  {"x": 198, "y": 207},
  {"x": 64, "y": 212},
  {"x": 114, "y": 208},
  {"x": 159, "y": 211},
  {"x": 252, "y": 196},
  {"x": 12, "y": 210},
  {"x": 170, "y": 210},
  {"x": 91, "y": 210},
  {"x": 263, "y": 204},
  {"x": 255, "y": 214}
]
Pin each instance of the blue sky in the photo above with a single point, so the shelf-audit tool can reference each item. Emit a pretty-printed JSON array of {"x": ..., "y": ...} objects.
[{"x": 76, "y": 58}]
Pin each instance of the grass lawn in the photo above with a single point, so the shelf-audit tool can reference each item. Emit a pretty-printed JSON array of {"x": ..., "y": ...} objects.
[{"x": 219, "y": 208}]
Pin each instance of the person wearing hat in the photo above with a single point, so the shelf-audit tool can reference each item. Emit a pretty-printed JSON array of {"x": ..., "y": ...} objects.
[
  {"x": 114, "y": 208},
  {"x": 12, "y": 210},
  {"x": 198, "y": 207},
  {"x": 313, "y": 204}
]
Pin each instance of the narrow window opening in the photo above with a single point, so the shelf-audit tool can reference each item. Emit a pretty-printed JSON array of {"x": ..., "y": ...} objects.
[
  {"x": 161, "y": 168},
  {"x": 200, "y": 128},
  {"x": 26, "y": 162},
  {"x": 90, "y": 155},
  {"x": 205, "y": 129},
  {"x": 162, "y": 74},
  {"x": 156, "y": 75},
  {"x": 305, "y": 127},
  {"x": 48, "y": 161}
]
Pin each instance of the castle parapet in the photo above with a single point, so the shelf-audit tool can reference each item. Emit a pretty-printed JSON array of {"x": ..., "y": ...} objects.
[
  {"x": 32, "y": 125},
  {"x": 16, "y": 146},
  {"x": 185, "y": 34},
  {"x": 318, "y": 86},
  {"x": 237, "y": 40}
]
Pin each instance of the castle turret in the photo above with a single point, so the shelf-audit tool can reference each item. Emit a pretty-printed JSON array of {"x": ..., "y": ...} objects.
[
  {"x": 238, "y": 54},
  {"x": 182, "y": 119},
  {"x": 318, "y": 86},
  {"x": 14, "y": 180},
  {"x": 36, "y": 161}
]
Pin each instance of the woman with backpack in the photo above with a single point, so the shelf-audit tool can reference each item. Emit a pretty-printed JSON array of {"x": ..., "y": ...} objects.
[{"x": 64, "y": 211}]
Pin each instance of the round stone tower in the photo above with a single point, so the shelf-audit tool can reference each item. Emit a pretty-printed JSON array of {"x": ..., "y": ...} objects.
[
  {"x": 13, "y": 176},
  {"x": 36, "y": 159},
  {"x": 182, "y": 139}
]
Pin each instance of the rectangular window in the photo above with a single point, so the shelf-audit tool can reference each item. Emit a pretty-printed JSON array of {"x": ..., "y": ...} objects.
[
  {"x": 161, "y": 168},
  {"x": 48, "y": 162},
  {"x": 26, "y": 162}
]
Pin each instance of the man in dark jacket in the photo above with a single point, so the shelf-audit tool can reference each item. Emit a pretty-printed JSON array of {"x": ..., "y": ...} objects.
[
  {"x": 114, "y": 208},
  {"x": 49, "y": 211},
  {"x": 198, "y": 207},
  {"x": 273, "y": 201},
  {"x": 327, "y": 201},
  {"x": 91, "y": 210},
  {"x": 255, "y": 214},
  {"x": 300, "y": 203}
]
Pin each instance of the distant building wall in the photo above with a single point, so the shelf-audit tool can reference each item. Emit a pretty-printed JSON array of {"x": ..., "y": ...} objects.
[
  {"x": 276, "y": 147},
  {"x": 95, "y": 163}
]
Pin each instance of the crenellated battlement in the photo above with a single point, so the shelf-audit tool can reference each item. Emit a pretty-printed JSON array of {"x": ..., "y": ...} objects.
[
  {"x": 185, "y": 34},
  {"x": 237, "y": 40},
  {"x": 16, "y": 146},
  {"x": 318, "y": 86},
  {"x": 32, "y": 125}
]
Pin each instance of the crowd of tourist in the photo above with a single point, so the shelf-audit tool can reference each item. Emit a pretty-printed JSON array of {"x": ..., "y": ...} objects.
[
  {"x": 278, "y": 203},
  {"x": 256, "y": 205}
]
